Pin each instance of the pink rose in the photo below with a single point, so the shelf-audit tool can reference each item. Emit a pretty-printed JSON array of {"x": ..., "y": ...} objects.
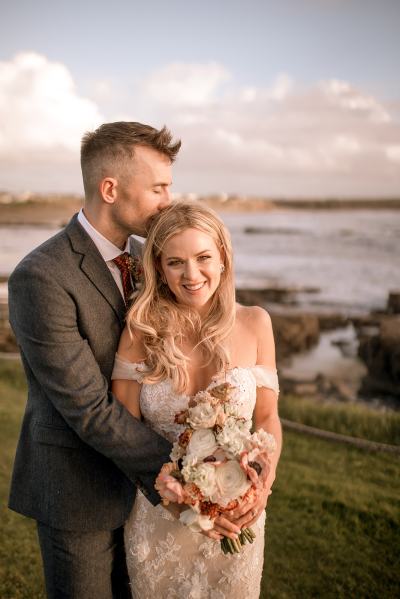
[{"x": 169, "y": 488}]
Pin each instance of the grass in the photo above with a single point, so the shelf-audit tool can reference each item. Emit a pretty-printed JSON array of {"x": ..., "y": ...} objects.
[
  {"x": 333, "y": 526},
  {"x": 20, "y": 566},
  {"x": 357, "y": 420}
]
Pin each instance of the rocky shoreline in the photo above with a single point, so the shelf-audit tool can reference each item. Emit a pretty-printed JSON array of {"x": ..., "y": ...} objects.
[
  {"x": 56, "y": 209},
  {"x": 377, "y": 339}
]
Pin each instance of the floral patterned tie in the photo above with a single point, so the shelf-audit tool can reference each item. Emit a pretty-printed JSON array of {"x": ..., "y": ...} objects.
[{"x": 123, "y": 261}]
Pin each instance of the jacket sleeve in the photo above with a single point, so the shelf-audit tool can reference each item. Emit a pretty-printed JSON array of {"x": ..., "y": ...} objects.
[{"x": 43, "y": 316}]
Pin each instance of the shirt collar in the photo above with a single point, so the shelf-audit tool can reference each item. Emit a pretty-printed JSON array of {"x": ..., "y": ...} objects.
[{"x": 107, "y": 249}]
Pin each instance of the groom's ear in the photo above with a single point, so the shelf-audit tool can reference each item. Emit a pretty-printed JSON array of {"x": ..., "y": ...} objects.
[{"x": 108, "y": 189}]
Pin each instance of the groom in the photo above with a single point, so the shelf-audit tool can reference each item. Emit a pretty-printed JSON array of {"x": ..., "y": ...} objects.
[{"x": 81, "y": 454}]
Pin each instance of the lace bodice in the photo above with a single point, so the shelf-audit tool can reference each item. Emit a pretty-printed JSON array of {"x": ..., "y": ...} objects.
[{"x": 159, "y": 402}]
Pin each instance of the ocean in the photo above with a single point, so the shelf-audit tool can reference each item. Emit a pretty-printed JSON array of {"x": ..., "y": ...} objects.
[
  {"x": 347, "y": 260},
  {"x": 344, "y": 260}
]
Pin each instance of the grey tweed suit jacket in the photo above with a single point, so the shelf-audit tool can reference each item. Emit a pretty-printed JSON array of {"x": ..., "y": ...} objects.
[{"x": 80, "y": 453}]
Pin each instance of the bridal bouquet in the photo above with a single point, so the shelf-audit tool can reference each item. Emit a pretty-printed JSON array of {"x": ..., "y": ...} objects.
[{"x": 216, "y": 463}]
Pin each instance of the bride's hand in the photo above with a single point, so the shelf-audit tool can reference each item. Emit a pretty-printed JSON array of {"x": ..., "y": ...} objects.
[
  {"x": 249, "y": 512},
  {"x": 223, "y": 528}
]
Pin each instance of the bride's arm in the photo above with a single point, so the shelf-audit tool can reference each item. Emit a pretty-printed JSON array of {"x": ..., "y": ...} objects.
[
  {"x": 266, "y": 409},
  {"x": 265, "y": 413},
  {"x": 127, "y": 391}
]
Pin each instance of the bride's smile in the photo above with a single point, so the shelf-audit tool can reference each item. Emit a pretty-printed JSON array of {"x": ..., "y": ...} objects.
[{"x": 191, "y": 266}]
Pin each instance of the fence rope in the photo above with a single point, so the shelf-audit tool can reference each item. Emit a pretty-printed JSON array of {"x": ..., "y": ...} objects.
[{"x": 338, "y": 438}]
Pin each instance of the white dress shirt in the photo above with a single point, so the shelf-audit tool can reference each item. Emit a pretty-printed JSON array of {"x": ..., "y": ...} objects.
[{"x": 107, "y": 249}]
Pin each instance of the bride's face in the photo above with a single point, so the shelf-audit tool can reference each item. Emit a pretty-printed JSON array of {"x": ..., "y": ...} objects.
[{"x": 191, "y": 265}]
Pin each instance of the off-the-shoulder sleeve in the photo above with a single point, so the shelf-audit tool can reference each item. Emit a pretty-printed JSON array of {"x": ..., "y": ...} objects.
[
  {"x": 132, "y": 371},
  {"x": 266, "y": 377}
]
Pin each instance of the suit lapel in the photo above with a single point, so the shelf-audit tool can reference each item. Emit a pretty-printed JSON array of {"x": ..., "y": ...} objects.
[{"x": 94, "y": 267}]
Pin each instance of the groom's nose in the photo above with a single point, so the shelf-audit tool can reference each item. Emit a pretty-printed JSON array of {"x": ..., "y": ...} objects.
[{"x": 166, "y": 198}]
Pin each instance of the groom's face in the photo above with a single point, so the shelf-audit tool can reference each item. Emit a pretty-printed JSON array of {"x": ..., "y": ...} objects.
[{"x": 144, "y": 191}]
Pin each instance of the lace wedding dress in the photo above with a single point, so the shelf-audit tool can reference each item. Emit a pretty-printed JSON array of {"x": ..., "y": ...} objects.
[{"x": 165, "y": 559}]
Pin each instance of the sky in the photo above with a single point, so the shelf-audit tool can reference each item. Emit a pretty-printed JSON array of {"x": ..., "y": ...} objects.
[{"x": 299, "y": 98}]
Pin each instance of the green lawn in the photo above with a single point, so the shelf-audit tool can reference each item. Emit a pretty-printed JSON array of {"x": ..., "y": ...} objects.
[
  {"x": 20, "y": 567},
  {"x": 333, "y": 526}
]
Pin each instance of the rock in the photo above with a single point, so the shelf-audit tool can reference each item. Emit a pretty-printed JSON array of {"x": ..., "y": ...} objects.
[
  {"x": 274, "y": 295},
  {"x": 260, "y": 297},
  {"x": 381, "y": 354},
  {"x": 393, "y": 303},
  {"x": 321, "y": 388},
  {"x": 304, "y": 388},
  {"x": 270, "y": 231},
  {"x": 366, "y": 321},
  {"x": 294, "y": 332},
  {"x": 347, "y": 348},
  {"x": 336, "y": 389},
  {"x": 329, "y": 322},
  {"x": 342, "y": 391}
]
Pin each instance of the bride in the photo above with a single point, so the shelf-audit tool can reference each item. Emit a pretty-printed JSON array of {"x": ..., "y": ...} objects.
[{"x": 185, "y": 333}]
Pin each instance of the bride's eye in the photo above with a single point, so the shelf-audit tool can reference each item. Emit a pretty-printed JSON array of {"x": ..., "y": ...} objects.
[
  {"x": 174, "y": 262},
  {"x": 204, "y": 258}
]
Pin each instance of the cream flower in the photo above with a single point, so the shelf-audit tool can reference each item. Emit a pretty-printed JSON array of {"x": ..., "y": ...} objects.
[
  {"x": 188, "y": 467},
  {"x": 233, "y": 436},
  {"x": 196, "y": 521},
  {"x": 262, "y": 440},
  {"x": 204, "y": 477},
  {"x": 177, "y": 452},
  {"x": 203, "y": 415},
  {"x": 231, "y": 481},
  {"x": 202, "y": 444}
]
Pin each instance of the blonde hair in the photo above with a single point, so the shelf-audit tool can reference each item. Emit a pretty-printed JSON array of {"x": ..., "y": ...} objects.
[{"x": 161, "y": 321}]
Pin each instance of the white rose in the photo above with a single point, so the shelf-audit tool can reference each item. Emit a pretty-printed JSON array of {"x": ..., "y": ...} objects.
[
  {"x": 262, "y": 440},
  {"x": 231, "y": 481},
  {"x": 204, "y": 477},
  {"x": 202, "y": 444},
  {"x": 196, "y": 522},
  {"x": 202, "y": 416}
]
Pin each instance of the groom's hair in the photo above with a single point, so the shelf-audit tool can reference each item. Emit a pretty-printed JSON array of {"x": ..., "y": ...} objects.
[{"x": 105, "y": 151}]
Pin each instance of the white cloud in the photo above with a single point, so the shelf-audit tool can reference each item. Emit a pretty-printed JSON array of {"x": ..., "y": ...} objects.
[
  {"x": 345, "y": 96},
  {"x": 186, "y": 84},
  {"x": 329, "y": 138},
  {"x": 281, "y": 87},
  {"x": 347, "y": 144},
  {"x": 393, "y": 153},
  {"x": 281, "y": 138},
  {"x": 41, "y": 113}
]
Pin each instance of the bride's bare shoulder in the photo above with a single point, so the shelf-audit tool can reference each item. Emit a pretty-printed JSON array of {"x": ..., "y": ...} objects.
[{"x": 254, "y": 318}]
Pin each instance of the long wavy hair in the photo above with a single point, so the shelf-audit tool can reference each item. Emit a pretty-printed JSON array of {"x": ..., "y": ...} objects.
[{"x": 161, "y": 321}]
